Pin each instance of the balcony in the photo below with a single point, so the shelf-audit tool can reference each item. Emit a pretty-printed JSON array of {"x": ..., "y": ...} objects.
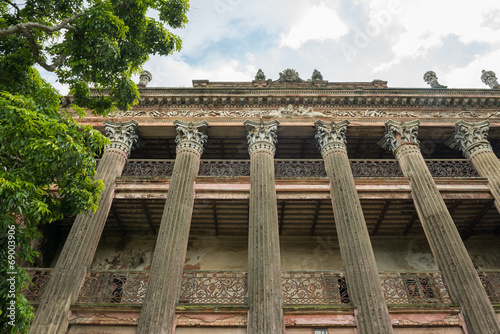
[
  {"x": 300, "y": 168},
  {"x": 229, "y": 288}
]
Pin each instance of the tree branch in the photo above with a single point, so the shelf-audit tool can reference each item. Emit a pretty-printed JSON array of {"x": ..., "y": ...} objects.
[
  {"x": 18, "y": 28},
  {"x": 35, "y": 50},
  {"x": 13, "y": 4}
]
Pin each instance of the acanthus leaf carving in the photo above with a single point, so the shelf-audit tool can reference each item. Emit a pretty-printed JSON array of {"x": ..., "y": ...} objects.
[
  {"x": 330, "y": 135},
  {"x": 122, "y": 135},
  {"x": 191, "y": 135},
  {"x": 398, "y": 133},
  {"x": 262, "y": 135},
  {"x": 470, "y": 138}
]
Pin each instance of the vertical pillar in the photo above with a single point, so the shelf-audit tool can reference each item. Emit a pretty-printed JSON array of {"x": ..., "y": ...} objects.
[
  {"x": 265, "y": 299},
  {"x": 78, "y": 251},
  {"x": 471, "y": 140},
  {"x": 452, "y": 258},
  {"x": 361, "y": 271},
  {"x": 165, "y": 278}
]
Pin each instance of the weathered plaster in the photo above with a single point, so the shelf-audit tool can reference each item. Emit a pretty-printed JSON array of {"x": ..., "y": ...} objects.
[{"x": 134, "y": 252}]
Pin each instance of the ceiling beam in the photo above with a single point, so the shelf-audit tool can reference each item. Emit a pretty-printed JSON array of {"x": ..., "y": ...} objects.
[
  {"x": 316, "y": 215},
  {"x": 410, "y": 223},
  {"x": 470, "y": 229},
  {"x": 281, "y": 216},
  {"x": 216, "y": 221},
  {"x": 381, "y": 218},
  {"x": 148, "y": 216}
]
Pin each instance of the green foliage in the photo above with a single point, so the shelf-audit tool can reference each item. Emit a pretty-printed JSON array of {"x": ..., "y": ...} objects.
[{"x": 47, "y": 166}]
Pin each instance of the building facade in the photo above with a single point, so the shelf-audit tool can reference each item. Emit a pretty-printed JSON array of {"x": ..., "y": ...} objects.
[{"x": 286, "y": 206}]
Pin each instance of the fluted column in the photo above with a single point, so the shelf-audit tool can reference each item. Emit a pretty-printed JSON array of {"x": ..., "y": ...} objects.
[
  {"x": 471, "y": 140},
  {"x": 265, "y": 299},
  {"x": 78, "y": 251},
  {"x": 363, "y": 282},
  {"x": 165, "y": 278},
  {"x": 452, "y": 258}
]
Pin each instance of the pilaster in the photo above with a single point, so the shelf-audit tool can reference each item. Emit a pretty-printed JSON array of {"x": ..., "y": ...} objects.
[
  {"x": 471, "y": 140},
  {"x": 452, "y": 258},
  {"x": 164, "y": 287},
  {"x": 81, "y": 244},
  {"x": 361, "y": 271},
  {"x": 265, "y": 299}
]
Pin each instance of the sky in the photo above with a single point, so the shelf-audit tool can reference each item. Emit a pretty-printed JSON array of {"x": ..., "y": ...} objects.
[{"x": 346, "y": 40}]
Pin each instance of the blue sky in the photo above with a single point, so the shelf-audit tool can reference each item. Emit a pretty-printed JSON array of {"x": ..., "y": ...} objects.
[{"x": 346, "y": 40}]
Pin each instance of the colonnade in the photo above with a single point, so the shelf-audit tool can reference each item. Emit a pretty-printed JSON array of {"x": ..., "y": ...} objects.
[{"x": 265, "y": 300}]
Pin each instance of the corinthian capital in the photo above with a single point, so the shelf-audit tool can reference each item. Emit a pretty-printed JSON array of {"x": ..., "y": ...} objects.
[
  {"x": 191, "y": 135},
  {"x": 261, "y": 135},
  {"x": 470, "y": 138},
  {"x": 122, "y": 135},
  {"x": 330, "y": 135},
  {"x": 398, "y": 133}
]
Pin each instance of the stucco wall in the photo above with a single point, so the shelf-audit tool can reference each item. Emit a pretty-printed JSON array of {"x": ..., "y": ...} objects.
[{"x": 134, "y": 252}]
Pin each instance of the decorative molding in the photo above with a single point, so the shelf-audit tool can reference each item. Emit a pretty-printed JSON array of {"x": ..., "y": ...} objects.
[
  {"x": 191, "y": 135},
  {"x": 330, "y": 136},
  {"x": 431, "y": 79},
  {"x": 398, "y": 133},
  {"x": 261, "y": 135},
  {"x": 123, "y": 136},
  {"x": 292, "y": 111},
  {"x": 489, "y": 78},
  {"x": 470, "y": 138}
]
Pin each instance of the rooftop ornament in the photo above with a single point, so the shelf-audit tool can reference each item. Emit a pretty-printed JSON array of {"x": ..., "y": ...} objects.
[
  {"x": 289, "y": 75},
  {"x": 316, "y": 76},
  {"x": 431, "y": 79},
  {"x": 144, "y": 78},
  {"x": 260, "y": 75},
  {"x": 489, "y": 78}
]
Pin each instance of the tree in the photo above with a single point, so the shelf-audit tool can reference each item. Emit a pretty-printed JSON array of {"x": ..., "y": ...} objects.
[{"x": 47, "y": 165}]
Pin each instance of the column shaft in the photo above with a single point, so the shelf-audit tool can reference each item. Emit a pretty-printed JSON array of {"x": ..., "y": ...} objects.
[
  {"x": 165, "y": 278},
  {"x": 488, "y": 165},
  {"x": 449, "y": 251},
  {"x": 264, "y": 265},
  {"x": 78, "y": 252},
  {"x": 363, "y": 281}
]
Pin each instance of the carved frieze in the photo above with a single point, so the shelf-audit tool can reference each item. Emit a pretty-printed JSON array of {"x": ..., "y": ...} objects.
[
  {"x": 292, "y": 111},
  {"x": 191, "y": 135},
  {"x": 330, "y": 135},
  {"x": 123, "y": 136},
  {"x": 262, "y": 135},
  {"x": 398, "y": 133},
  {"x": 469, "y": 138}
]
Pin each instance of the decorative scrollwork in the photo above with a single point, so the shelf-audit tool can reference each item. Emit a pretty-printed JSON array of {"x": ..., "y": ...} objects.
[
  {"x": 314, "y": 288},
  {"x": 152, "y": 168},
  {"x": 414, "y": 288},
  {"x": 491, "y": 283},
  {"x": 191, "y": 135},
  {"x": 470, "y": 138},
  {"x": 224, "y": 168},
  {"x": 122, "y": 135},
  {"x": 114, "y": 287},
  {"x": 375, "y": 168},
  {"x": 39, "y": 280},
  {"x": 398, "y": 133},
  {"x": 451, "y": 168},
  {"x": 300, "y": 168},
  {"x": 214, "y": 288}
]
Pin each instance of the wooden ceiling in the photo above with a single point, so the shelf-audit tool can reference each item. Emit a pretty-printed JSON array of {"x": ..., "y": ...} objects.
[{"x": 299, "y": 217}]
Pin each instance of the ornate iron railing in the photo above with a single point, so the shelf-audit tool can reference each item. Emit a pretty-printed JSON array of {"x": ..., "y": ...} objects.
[
  {"x": 300, "y": 168},
  {"x": 414, "y": 288},
  {"x": 299, "y": 288},
  {"x": 314, "y": 288}
]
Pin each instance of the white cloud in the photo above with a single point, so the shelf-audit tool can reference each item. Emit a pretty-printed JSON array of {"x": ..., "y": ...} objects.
[{"x": 319, "y": 23}]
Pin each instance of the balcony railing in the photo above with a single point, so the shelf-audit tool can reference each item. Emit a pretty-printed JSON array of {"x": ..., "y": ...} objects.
[
  {"x": 230, "y": 287},
  {"x": 300, "y": 168}
]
